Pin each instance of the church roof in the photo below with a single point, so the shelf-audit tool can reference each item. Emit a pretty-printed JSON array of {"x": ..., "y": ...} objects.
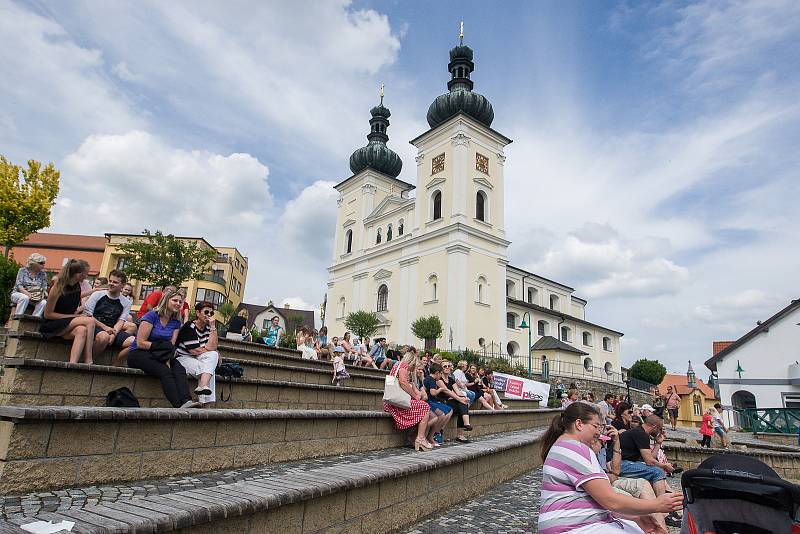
[
  {"x": 555, "y": 313},
  {"x": 711, "y": 363},
  {"x": 376, "y": 155}
]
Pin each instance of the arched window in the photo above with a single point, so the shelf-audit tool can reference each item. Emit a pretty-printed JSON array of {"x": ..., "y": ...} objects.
[
  {"x": 607, "y": 343},
  {"x": 510, "y": 289},
  {"x": 532, "y": 294},
  {"x": 437, "y": 205},
  {"x": 389, "y": 233},
  {"x": 383, "y": 298},
  {"x": 566, "y": 334},
  {"x": 378, "y": 237},
  {"x": 553, "y": 302},
  {"x": 511, "y": 320},
  {"x": 342, "y": 306},
  {"x": 541, "y": 328},
  {"x": 480, "y": 290},
  {"x": 348, "y": 238},
  {"x": 587, "y": 339},
  {"x": 433, "y": 287},
  {"x": 400, "y": 228},
  {"x": 480, "y": 205}
]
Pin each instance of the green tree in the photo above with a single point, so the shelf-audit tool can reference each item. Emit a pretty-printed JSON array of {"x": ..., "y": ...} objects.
[
  {"x": 651, "y": 371},
  {"x": 165, "y": 260},
  {"x": 428, "y": 329},
  {"x": 8, "y": 275},
  {"x": 362, "y": 323},
  {"x": 226, "y": 312},
  {"x": 26, "y": 198}
]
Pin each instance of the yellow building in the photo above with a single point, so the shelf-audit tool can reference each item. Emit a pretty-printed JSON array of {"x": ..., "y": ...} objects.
[
  {"x": 694, "y": 400},
  {"x": 224, "y": 282}
]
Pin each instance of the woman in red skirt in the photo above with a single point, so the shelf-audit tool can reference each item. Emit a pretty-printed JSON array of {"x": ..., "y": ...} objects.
[{"x": 419, "y": 411}]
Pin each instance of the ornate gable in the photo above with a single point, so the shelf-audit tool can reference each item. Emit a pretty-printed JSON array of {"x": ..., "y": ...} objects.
[
  {"x": 382, "y": 274},
  {"x": 388, "y": 205}
]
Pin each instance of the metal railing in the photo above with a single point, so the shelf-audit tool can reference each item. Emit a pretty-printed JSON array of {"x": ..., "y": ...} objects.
[
  {"x": 775, "y": 420},
  {"x": 641, "y": 385},
  {"x": 214, "y": 278},
  {"x": 555, "y": 367}
]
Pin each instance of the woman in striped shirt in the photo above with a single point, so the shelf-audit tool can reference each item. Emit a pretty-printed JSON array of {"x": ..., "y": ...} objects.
[{"x": 576, "y": 494}]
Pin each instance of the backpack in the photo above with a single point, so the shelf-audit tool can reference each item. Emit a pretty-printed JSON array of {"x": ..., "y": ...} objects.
[
  {"x": 122, "y": 398},
  {"x": 229, "y": 371}
]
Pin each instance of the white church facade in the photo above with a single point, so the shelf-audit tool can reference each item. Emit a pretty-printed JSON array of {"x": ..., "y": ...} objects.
[{"x": 444, "y": 250}]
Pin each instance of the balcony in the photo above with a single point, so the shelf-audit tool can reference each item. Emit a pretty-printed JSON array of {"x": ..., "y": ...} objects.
[{"x": 216, "y": 279}]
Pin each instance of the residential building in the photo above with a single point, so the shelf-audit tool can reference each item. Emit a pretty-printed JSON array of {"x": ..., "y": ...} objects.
[
  {"x": 225, "y": 281},
  {"x": 288, "y": 318},
  {"x": 445, "y": 251},
  {"x": 58, "y": 248},
  {"x": 696, "y": 397},
  {"x": 761, "y": 369}
]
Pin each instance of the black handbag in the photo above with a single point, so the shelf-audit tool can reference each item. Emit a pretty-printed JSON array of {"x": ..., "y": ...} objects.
[
  {"x": 122, "y": 398},
  {"x": 229, "y": 371},
  {"x": 162, "y": 351}
]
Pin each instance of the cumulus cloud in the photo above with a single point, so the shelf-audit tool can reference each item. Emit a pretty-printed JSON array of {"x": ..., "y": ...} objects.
[{"x": 308, "y": 222}]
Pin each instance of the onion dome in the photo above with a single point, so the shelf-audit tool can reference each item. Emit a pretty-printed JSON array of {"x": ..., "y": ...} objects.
[
  {"x": 376, "y": 155},
  {"x": 461, "y": 97}
]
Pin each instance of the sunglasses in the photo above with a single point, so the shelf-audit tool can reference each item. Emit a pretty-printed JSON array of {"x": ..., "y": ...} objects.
[
  {"x": 208, "y": 313},
  {"x": 40, "y": 263}
]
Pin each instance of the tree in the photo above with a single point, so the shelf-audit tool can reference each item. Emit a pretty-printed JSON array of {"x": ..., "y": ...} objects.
[
  {"x": 651, "y": 371},
  {"x": 165, "y": 260},
  {"x": 8, "y": 275},
  {"x": 429, "y": 329},
  {"x": 362, "y": 323},
  {"x": 226, "y": 312},
  {"x": 26, "y": 197}
]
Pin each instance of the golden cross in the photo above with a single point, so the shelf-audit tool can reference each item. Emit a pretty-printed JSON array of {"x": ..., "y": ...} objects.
[
  {"x": 381, "y": 93},
  {"x": 461, "y": 33}
]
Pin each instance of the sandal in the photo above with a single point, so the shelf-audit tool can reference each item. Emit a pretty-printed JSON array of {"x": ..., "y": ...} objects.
[{"x": 422, "y": 445}]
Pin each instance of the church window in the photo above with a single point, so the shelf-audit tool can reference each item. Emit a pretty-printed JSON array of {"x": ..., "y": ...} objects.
[
  {"x": 587, "y": 339},
  {"x": 389, "y": 233},
  {"x": 566, "y": 332},
  {"x": 437, "y": 205},
  {"x": 510, "y": 289},
  {"x": 383, "y": 298},
  {"x": 532, "y": 293},
  {"x": 400, "y": 228},
  {"x": 480, "y": 206},
  {"x": 480, "y": 295},
  {"x": 481, "y": 163},
  {"x": 553, "y": 302},
  {"x": 378, "y": 237},
  {"x": 433, "y": 285},
  {"x": 607, "y": 343},
  {"x": 437, "y": 164},
  {"x": 541, "y": 328},
  {"x": 349, "y": 242},
  {"x": 342, "y": 307},
  {"x": 511, "y": 320}
]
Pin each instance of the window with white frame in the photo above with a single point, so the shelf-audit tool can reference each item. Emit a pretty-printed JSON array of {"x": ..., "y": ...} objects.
[
  {"x": 566, "y": 334},
  {"x": 587, "y": 338},
  {"x": 511, "y": 320},
  {"x": 433, "y": 287},
  {"x": 542, "y": 328},
  {"x": 607, "y": 343},
  {"x": 383, "y": 298},
  {"x": 554, "y": 302},
  {"x": 533, "y": 293},
  {"x": 480, "y": 290}
]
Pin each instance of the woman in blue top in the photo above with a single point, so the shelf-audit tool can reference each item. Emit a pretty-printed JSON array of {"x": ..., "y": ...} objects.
[
  {"x": 160, "y": 327},
  {"x": 273, "y": 333}
]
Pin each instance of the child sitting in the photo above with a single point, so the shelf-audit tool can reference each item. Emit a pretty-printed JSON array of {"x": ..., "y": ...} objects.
[{"x": 339, "y": 371}]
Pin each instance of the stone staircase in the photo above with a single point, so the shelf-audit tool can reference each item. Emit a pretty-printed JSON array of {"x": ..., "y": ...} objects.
[{"x": 349, "y": 470}]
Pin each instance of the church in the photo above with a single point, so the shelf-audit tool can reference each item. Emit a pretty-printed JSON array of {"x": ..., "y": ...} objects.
[{"x": 443, "y": 251}]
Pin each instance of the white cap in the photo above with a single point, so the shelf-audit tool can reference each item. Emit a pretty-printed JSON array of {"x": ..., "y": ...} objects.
[{"x": 647, "y": 407}]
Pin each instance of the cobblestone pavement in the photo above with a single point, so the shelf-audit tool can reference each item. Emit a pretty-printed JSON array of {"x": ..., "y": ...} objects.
[
  {"x": 511, "y": 508},
  {"x": 75, "y": 498}
]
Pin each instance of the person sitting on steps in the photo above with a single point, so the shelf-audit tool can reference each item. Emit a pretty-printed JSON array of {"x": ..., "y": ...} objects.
[
  {"x": 418, "y": 413},
  {"x": 110, "y": 310},
  {"x": 30, "y": 286},
  {"x": 197, "y": 352},
  {"x": 62, "y": 314}
]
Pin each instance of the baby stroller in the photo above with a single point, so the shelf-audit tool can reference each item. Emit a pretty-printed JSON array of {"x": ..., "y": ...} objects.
[{"x": 733, "y": 494}]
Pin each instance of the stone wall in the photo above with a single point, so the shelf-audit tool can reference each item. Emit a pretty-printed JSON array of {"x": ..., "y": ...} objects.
[
  {"x": 786, "y": 464},
  {"x": 599, "y": 388},
  {"x": 780, "y": 439}
]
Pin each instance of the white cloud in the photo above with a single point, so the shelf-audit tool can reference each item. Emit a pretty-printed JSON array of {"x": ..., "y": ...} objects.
[
  {"x": 308, "y": 222},
  {"x": 124, "y": 73}
]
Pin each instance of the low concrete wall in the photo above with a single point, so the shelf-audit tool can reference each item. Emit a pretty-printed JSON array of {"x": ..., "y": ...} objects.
[
  {"x": 780, "y": 439},
  {"x": 786, "y": 464}
]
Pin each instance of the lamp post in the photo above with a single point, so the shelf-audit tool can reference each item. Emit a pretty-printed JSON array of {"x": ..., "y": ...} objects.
[
  {"x": 523, "y": 324},
  {"x": 628, "y": 386}
]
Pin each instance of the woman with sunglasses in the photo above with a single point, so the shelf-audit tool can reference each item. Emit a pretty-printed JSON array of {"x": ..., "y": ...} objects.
[
  {"x": 197, "y": 352},
  {"x": 577, "y": 496},
  {"x": 31, "y": 286}
]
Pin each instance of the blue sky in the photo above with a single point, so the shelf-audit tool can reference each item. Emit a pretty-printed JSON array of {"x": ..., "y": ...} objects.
[{"x": 654, "y": 166}]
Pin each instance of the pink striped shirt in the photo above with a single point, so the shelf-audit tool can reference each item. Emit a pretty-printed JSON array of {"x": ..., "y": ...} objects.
[{"x": 564, "y": 505}]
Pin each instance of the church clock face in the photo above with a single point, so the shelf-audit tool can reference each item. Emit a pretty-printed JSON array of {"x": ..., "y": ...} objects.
[
  {"x": 437, "y": 164},
  {"x": 482, "y": 163}
]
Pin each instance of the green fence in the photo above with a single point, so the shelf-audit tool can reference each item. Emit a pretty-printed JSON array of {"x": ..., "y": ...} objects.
[{"x": 776, "y": 420}]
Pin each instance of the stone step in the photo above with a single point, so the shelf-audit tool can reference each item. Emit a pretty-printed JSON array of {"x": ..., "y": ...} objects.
[
  {"x": 51, "y": 447},
  {"x": 31, "y": 382},
  {"x": 30, "y": 344},
  {"x": 355, "y": 493}
]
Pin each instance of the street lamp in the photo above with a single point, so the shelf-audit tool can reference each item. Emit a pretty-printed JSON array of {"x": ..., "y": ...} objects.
[{"x": 523, "y": 324}]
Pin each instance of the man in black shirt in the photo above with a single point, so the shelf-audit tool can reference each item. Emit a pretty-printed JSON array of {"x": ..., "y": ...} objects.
[{"x": 638, "y": 459}]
